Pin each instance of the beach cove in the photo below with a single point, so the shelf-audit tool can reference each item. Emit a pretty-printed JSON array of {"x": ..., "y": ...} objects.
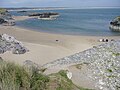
[
  {"x": 79, "y": 55},
  {"x": 45, "y": 47}
]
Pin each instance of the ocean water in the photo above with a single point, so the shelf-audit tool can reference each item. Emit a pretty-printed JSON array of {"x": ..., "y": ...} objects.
[{"x": 91, "y": 22}]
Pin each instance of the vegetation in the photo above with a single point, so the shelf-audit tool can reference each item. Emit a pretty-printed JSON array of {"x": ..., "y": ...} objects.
[
  {"x": 2, "y": 10},
  {"x": 60, "y": 81},
  {"x": 79, "y": 66},
  {"x": 116, "y": 54},
  {"x": 118, "y": 18},
  {"x": 15, "y": 77},
  {"x": 12, "y": 77},
  {"x": 109, "y": 70}
]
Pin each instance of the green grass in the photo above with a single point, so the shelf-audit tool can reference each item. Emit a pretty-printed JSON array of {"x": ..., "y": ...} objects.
[
  {"x": 16, "y": 77},
  {"x": 116, "y": 54},
  {"x": 12, "y": 77},
  {"x": 2, "y": 10},
  {"x": 62, "y": 82}
]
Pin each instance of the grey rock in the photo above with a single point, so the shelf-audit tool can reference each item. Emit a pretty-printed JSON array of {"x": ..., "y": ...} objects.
[
  {"x": 9, "y": 43},
  {"x": 103, "y": 61}
]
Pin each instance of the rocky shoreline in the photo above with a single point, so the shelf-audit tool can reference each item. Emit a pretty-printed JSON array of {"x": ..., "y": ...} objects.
[
  {"x": 103, "y": 64},
  {"x": 9, "y": 43}
]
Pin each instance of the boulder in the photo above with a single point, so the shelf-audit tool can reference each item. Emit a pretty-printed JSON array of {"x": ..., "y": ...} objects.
[{"x": 9, "y": 43}]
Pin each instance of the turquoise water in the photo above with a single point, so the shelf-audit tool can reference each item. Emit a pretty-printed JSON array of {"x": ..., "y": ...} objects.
[{"x": 92, "y": 22}]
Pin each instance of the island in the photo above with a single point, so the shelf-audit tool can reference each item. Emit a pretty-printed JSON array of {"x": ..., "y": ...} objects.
[
  {"x": 23, "y": 11},
  {"x": 45, "y": 16}
]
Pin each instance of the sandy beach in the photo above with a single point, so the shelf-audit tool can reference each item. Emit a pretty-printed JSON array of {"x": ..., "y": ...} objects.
[{"x": 45, "y": 47}]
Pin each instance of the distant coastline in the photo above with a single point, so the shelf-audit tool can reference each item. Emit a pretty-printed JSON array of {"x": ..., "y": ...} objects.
[
  {"x": 56, "y": 8},
  {"x": 28, "y": 9}
]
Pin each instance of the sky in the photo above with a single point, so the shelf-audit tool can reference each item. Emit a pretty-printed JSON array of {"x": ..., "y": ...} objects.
[{"x": 60, "y": 3}]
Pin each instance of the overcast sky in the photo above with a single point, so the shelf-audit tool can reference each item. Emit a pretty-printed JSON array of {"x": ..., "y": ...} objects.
[{"x": 60, "y": 3}]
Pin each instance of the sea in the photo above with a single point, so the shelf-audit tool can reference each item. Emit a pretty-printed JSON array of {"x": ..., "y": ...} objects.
[{"x": 90, "y": 22}]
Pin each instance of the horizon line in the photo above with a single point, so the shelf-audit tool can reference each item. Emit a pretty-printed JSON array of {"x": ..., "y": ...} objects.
[{"x": 66, "y": 7}]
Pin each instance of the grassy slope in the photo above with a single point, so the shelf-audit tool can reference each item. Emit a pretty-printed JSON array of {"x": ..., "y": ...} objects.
[{"x": 15, "y": 77}]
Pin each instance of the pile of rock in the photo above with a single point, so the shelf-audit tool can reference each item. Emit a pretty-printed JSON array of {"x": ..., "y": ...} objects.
[
  {"x": 115, "y": 24},
  {"x": 6, "y": 19},
  {"x": 9, "y": 43},
  {"x": 103, "y": 64},
  {"x": 1, "y": 20}
]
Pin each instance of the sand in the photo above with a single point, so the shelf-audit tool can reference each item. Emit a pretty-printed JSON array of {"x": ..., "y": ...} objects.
[
  {"x": 43, "y": 46},
  {"x": 19, "y": 18}
]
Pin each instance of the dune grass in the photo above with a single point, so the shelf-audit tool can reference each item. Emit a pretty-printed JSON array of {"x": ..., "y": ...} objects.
[{"x": 16, "y": 77}]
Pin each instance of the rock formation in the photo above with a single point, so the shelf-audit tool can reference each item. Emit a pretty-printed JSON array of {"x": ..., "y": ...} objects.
[
  {"x": 9, "y": 43},
  {"x": 115, "y": 24},
  {"x": 6, "y": 18}
]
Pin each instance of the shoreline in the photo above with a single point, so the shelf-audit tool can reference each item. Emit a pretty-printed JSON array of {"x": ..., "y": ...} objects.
[
  {"x": 36, "y": 30},
  {"x": 46, "y": 47},
  {"x": 43, "y": 46},
  {"x": 22, "y": 18},
  {"x": 82, "y": 55}
]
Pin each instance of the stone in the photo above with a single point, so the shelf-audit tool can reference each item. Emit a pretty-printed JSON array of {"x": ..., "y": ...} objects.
[
  {"x": 9, "y": 43},
  {"x": 103, "y": 62},
  {"x": 69, "y": 75}
]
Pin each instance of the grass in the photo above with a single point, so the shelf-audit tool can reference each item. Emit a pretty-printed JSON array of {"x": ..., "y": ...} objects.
[
  {"x": 62, "y": 82},
  {"x": 116, "y": 54},
  {"x": 2, "y": 10},
  {"x": 15, "y": 77}
]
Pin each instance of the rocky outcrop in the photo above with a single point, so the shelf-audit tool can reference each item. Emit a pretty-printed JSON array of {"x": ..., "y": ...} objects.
[
  {"x": 22, "y": 11},
  {"x": 6, "y": 19},
  {"x": 47, "y": 14},
  {"x": 115, "y": 24},
  {"x": 1, "y": 21},
  {"x": 103, "y": 64},
  {"x": 9, "y": 43}
]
